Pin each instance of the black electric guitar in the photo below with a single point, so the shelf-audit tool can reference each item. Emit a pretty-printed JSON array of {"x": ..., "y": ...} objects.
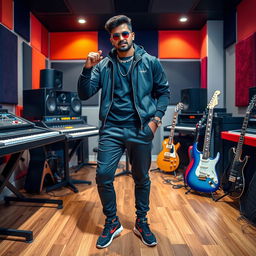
[{"x": 233, "y": 182}]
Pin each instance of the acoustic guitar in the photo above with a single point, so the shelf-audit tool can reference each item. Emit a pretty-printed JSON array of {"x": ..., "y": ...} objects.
[
  {"x": 202, "y": 176},
  {"x": 168, "y": 159},
  {"x": 233, "y": 181}
]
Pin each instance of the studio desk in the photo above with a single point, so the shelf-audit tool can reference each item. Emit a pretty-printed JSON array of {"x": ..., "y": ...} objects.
[
  {"x": 16, "y": 136},
  {"x": 76, "y": 131}
]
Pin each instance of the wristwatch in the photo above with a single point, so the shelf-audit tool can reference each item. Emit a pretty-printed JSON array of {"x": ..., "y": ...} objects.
[{"x": 156, "y": 120}]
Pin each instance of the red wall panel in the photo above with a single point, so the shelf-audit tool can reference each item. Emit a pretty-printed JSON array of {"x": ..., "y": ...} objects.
[
  {"x": 44, "y": 40},
  {"x": 245, "y": 69},
  {"x": 6, "y": 13},
  {"x": 36, "y": 32},
  {"x": 38, "y": 63},
  {"x": 203, "y": 50},
  {"x": 246, "y": 19},
  {"x": 72, "y": 45},
  {"x": 179, "y": 44}
]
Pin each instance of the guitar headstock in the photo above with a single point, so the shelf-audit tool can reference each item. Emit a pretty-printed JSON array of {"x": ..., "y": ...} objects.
[
  {"x": 214, "y": 100},
  {"x": 179, "y": 107},
  {"x": 252, "y": 103}
]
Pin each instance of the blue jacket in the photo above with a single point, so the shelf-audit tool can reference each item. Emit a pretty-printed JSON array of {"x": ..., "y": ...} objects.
[{"x": 149, "y": 84}]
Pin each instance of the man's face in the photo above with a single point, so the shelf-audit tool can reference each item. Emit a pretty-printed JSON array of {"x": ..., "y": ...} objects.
[{"x": 121, "y": 38}]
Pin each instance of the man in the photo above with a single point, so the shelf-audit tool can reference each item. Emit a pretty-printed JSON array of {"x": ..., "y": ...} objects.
[{"x": 134, "y": 97}]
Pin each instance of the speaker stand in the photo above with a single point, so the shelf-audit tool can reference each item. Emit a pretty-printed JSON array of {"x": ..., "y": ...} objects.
[{"x": 126, "y": 171}]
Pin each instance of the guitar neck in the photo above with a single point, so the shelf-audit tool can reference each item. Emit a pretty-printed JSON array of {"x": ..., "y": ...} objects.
[
  {"x": 174, "y": 122},
  {"x": 207, "y": 137},
  {"x": 241, "y": 138}
]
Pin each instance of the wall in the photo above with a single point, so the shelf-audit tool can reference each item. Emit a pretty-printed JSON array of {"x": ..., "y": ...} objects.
[{"x": 245, "y": 27}]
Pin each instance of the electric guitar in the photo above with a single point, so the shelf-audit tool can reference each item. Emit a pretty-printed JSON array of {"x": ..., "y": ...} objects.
[
  {"x": 233, "y": 182},
  {"x": 199, "y": 126},
  {"x": 202, "y": 176},
  {"x": 168, "y": 159}
]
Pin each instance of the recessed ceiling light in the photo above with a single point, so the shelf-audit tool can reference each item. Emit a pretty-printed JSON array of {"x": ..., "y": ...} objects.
[
  {"x": 81, "y": 21},
  {"x": 183, "y": 19}
]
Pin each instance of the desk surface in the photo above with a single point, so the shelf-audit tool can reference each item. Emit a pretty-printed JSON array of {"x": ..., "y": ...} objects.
[{"x": 249, "y": 139}]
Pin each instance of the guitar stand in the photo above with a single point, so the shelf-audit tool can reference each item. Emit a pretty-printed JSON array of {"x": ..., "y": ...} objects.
[
  {"x": 217, "y": 199},
  {"x": 4, "y": 182},
  {"x": 126, "y": 171}
]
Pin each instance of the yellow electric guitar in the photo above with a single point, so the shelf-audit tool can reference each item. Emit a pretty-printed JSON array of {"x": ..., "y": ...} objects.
[{"x": 168, "y": 160}]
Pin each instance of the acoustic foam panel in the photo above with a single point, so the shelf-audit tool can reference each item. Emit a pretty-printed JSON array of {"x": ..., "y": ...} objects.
[
  {"x": 8, "y": 67},
  {"x": 104, "y": 43},
  {"x": 229, "y": 28},
  {"x": 147, "y": 39},
  {"x": 246, "y": 19},
  {"x": 245, "y": 69},
  {"x": 44, "y": 41},
  {"x": 38, "y": 63},
  {"x": 35, "y": 32},
  {"x": 6, "y": 16},
  {"x": 71, "y": 72},
  {"x": 203, "y": 50},
  {"x": 72, "y": 45},
  {"x": 179, "y": 44},
  {"x": 181, "y": 75},
  {"x": 27, "y": 66},
  {"x": 22, "y": 19}
]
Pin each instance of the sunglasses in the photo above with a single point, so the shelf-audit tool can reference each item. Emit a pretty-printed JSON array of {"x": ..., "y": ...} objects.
[{"x": 125, "y": 35}]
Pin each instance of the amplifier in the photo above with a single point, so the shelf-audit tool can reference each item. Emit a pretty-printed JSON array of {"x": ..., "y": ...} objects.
[{"x": 49, "y": 102}]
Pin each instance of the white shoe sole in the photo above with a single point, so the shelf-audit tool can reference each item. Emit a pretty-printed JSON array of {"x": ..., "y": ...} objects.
[
  {"x": 115, "y": 234},
  {"x": 137, "y": 232}
]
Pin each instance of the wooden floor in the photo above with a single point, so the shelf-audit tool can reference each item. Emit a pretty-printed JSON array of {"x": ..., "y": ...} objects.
[{"x": 184, "y": 224}]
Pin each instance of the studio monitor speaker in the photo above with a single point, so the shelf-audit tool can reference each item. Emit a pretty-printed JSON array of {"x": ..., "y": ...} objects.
[
  {"x": 51, "y": 78},
  {"x": 43, "y": 102},
  {"x": 194, "y": 100}
]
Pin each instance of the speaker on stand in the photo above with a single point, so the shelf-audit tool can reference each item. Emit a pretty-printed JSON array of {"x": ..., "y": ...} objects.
[{"x": 51, "y": 78}]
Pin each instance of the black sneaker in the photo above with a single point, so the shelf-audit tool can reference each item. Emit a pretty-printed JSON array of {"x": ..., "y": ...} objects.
[
  {"x": 142, "y": 230},
  {"x": 111, "y": 229}
]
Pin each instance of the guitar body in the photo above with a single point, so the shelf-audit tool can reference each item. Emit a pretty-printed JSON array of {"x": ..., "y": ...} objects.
[
  {"x": 234, "y": 186},
  {"x": 202, "y": 176},
  {"x": 191, "y": 162},
  {"x": 168, "y": 160}
]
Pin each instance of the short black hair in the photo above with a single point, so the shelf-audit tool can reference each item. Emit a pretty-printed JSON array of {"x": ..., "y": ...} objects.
[{"x": 116, "y": 21}]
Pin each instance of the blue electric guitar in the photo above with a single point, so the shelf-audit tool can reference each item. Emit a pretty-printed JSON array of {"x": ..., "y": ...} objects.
[{"x": 202, "y": 176}]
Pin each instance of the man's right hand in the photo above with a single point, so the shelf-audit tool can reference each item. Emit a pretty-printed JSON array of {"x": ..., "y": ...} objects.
[{"x": 93, "y": 58}]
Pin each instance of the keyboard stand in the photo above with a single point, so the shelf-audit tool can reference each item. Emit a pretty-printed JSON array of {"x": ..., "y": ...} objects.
[
  {"x": 4, "y": 182},
  {"x": 126, "y": 171}
]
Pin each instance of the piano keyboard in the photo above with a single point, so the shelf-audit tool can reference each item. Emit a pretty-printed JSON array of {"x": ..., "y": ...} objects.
[
  {"x": 67, "y": 130},
  {"x": 83, "y": 133},
  {"x": 23, "y": 139}
]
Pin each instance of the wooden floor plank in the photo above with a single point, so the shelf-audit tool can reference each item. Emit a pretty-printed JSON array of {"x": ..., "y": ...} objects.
[{"x": 184, "y": 224}]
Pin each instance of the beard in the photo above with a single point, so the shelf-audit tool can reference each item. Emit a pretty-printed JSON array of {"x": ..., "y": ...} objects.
[{"x": 125, "y": 48}]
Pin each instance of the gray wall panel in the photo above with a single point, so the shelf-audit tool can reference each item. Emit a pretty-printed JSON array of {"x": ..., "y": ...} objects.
[{"x": 181, "y": 74}]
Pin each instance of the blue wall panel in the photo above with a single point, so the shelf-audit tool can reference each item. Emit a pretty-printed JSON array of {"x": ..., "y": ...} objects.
[
  {"x": 8, "y": 67},
  {"x": 21, "y": 19}
]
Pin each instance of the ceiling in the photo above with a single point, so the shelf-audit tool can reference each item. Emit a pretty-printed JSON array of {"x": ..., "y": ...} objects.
[{"x": 62, "y": 15}]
